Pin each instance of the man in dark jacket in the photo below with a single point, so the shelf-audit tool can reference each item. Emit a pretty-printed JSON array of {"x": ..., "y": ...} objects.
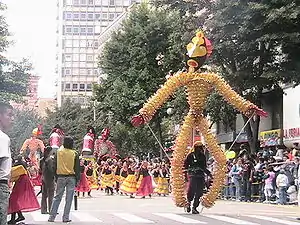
[
  {"x": 196, "y": 168},
  {"x": 48, "y": 180}
]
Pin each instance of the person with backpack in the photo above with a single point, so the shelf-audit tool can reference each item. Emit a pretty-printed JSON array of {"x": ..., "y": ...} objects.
[{"x": 48, "y": 180}]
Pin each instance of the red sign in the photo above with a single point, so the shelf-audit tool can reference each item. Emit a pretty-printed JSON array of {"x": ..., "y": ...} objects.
[{"x": 292, "y": 133}]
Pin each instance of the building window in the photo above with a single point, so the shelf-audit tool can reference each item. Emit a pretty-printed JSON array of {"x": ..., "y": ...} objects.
[
  {"x": 68, "y": 57},
  {"x": 75, "y": 30},
  {"x": 90, "y": 16},
  {"x": 68, "y": 16},
  {"x": 68, "y": 86},
  {"x": 111, "y": 2},
  {"x": 82, "y": 87},
  {"x": 82, "y": 43},
  {"x": 67, "y": 71},
  {"x": 74, "y": 87},
  {"x": 82, "y": 57},
  {"x": 91, "y": 2},
  {"x": 68, "y": 29},
  {"x": 96, "y": 44},
  {"x": 83, "y": 16},
  {"x": 75, "y": 2},
  {"x": 111, "y": 16},
  {"x": 96, "y": 71},
  {"x": 83, "y": 2},
  {"x": 97, "y": 16},
  {"x": 82, "y": 30},
  {"x": 75, "y": 16},
  {"x": 104, "y": 16},
  {"x": 89, "y": 58},
  {"x": 89, "y": 72},
  {"x": 90, "y": 30},
  {"x": 88, "y": 87}
]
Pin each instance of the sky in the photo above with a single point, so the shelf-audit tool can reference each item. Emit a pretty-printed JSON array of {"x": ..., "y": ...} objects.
[{"x": 32, "y": 24}]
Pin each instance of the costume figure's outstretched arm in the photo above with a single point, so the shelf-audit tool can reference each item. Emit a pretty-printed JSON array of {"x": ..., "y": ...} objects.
[
  {"x": 159, "y": 98},
  {"x": 241, "y": 104}
]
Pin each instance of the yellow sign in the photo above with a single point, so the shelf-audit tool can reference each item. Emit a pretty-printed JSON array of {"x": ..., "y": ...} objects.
[
  {"x": 269, "y": 138},
  {"x": 269, "y": 134}
]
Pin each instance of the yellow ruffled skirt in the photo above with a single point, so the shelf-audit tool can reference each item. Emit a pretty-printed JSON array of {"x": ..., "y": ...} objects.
[
  {"x": 107, "y": 180},
  {"x": 162, "y": 186},
  {"x": 129, "y": 185}
]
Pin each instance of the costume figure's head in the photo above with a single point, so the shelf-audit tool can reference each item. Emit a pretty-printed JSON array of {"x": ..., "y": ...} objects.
[
  {"x": 198, "y": 147},
  {"x": 105, "y": 134},
  {"x": 198, "y": 50},
  {"x": 91, "y": 130}
]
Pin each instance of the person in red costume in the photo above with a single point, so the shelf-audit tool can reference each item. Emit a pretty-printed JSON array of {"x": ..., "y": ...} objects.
[
  {"x": 103, "y": 146},
  {"x": 88, "y": 141},
  {"x": 56, "y": 138}
]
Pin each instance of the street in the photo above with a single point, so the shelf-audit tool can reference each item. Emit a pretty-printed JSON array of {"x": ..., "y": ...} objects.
[{"x": 107, "y": 210}]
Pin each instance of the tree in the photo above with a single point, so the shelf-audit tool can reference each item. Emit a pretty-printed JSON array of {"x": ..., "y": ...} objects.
[
  {"x": 137, "y": 59},
  {"x": 13, "y": 75},
  {"x": 24, "y": 123},
  {"x": 252, "y": 43}
]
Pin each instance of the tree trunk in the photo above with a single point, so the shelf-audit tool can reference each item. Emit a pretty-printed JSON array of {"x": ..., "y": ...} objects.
[{"x": 252, "y": 132}]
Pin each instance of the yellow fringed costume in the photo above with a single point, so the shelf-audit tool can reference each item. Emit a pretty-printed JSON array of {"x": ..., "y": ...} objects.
[
  {"x": 107, "y": 178},
  {"x": 16, "y": 172},
  {"x": 198, "y": 86},
  {"x": 129, "y": 185},
  {"x": 162, "y": 186}
]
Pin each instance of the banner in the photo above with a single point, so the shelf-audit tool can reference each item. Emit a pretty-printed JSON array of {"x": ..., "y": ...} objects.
[{"x": 269, "y": 138}]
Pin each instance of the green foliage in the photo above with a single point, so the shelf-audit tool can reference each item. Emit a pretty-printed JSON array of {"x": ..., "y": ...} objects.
[
  {"x": 24, "y": 123},
  {"x": 13, "y": 75},
  {"x": 136, "y": 60}
]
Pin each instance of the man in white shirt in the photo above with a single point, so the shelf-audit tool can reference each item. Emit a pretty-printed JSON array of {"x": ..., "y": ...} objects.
[{"x": 6, "y": 115}]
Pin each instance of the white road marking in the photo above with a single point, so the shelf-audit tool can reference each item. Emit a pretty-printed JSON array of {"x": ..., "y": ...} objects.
[
  {"x": 132, "y": 218},
  {"x": 179, "y": 218},
  {"x": 85, "y": 217},
  {"x": 231, "y": 220},
  {"x": 275, "y": 220},
  {"x": 39, "y": 217}
]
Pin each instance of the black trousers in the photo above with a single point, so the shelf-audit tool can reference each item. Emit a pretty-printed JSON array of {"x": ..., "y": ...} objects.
[
  {"x": 195, "y": 190},
  {"x": 47, "y": 196}
]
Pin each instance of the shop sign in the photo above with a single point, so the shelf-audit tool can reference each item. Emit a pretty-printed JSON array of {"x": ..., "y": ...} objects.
[
  {"x": 269, "y": 138},
  {"x": 291, "y": 133}
]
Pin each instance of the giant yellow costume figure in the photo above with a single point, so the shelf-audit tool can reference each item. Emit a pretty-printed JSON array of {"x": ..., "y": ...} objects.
[{"x": 199, "y": 86}]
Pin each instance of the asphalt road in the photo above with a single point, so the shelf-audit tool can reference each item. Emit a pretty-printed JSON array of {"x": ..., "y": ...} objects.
[{"x": 109, "y": 210}]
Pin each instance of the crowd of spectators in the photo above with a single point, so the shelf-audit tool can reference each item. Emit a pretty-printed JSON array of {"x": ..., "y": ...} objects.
[{"x": 270, "y": 176}]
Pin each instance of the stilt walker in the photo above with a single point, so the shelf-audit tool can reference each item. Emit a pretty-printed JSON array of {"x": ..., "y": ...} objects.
[{"x": 199, "y": 86}]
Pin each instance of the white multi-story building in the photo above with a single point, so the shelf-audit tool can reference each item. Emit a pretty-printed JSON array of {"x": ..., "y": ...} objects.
[{"x": 80, "y": 22}]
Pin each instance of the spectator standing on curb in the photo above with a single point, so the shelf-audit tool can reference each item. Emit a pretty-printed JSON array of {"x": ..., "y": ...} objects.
[
  {"x": 282, "y": 184},
  {"x": 6, "y": 114},
  {"x": 67, "y": 168}
]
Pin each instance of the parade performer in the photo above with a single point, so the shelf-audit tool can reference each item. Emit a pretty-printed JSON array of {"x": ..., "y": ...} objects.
[
  {"x": 56, "y": 138},
  {"x": 199, "y": 86},
  {"x": 88, "y": 141},
  {"x": 118, "y": 177},
  {"x": 146, "y": 187},
  {"x": 107, "y": 179},
  {"x": 33, "y": 147},
  {"x": 163, "y": 181},
  {"x": 48, "y": 180},
  {"x": 195, "y": 170},
  {"x": 129, "y": 185},
  {"x": 22, "y": 197},
  {"x": 83, "y": 185},
  {"x": 92, "y": 176},
  {"x": 155, "y": 173},
  {"x": 104, "y": 147}
]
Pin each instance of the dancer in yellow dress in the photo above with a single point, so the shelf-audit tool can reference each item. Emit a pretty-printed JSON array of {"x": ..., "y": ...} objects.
[
  {"x": 129, "y": 185},
  {"x": 199, "y": 86},
  {"x": 163, "y": 181}
]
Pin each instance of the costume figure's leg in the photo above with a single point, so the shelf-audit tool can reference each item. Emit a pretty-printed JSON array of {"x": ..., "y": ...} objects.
[
  {"x": 219, "y": 173},
  {"x": 179, "y": 155}
]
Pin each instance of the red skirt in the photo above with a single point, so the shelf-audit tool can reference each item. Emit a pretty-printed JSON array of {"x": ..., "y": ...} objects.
[
  {"x": 22, "y": 197},
  {"x": 37, "y": 181},
  {"x": 84, "y": 185},
  {"x": 146, "y": 187}
]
